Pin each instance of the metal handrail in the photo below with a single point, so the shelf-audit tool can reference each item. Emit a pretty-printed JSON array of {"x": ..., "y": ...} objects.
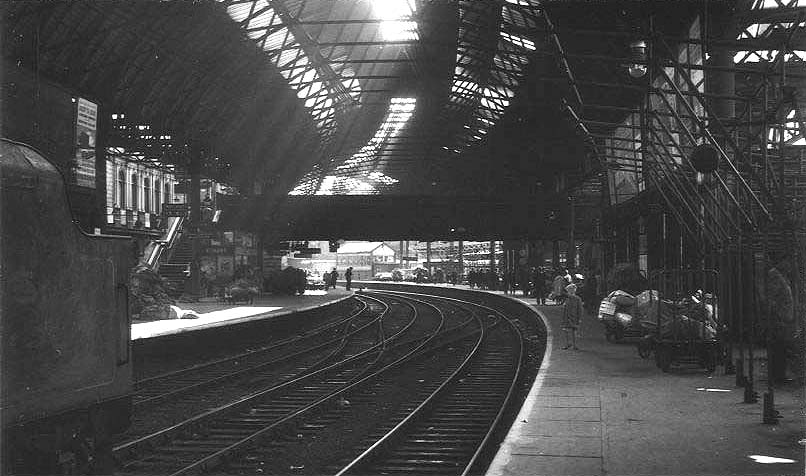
[{"x": 158, "y": 247}]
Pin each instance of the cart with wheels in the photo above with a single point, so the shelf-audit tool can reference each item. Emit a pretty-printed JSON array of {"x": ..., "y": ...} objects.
[
  {"x": 685, "y": 319},
  {"x": 618, "y": 325}
]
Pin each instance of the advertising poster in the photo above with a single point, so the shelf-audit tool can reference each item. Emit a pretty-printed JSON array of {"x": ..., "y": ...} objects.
[{"x": 86, "y": 129}]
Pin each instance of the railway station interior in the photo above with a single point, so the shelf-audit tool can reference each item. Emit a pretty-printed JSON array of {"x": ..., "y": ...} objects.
[{"x": 364, "y": 237}]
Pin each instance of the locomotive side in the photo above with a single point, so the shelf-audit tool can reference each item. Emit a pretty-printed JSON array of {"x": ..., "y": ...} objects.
[{"x": 64, "y": 325}]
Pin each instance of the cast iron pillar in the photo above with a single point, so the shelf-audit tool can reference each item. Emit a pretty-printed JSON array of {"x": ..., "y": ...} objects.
[
  {"x": 195, "y": 217},
  {"x": 722, "y": 81},
  {"x": 101, "y": 141},
  {"x": 461, "y": 259},
  {"x": 492, "y": 256},
  {"x": 400, "y": 247},
  {"x": 570, "y": 255}
]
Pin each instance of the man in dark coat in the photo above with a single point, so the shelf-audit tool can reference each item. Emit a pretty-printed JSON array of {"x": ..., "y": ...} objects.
[
  {"x": 334, "y": 276},
  {"x": 348, "y": 276}
]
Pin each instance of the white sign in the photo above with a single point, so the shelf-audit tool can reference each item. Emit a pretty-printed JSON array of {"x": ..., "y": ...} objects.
[{"x": 86, "y": 131}]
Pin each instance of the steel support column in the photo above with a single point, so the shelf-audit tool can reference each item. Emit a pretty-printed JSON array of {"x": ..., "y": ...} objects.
[{"x": 195, "y": 217}]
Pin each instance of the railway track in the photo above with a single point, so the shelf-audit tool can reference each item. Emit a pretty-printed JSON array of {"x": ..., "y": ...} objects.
[
  {"x": 439, "y": 411},
  {"x": 203, "y": 387},
  {"x": 447, "y": 433},
  {"x": 202, "y": 439},
  {"x": 420, "y": 397},
  {"x": 152, "y": 390}
]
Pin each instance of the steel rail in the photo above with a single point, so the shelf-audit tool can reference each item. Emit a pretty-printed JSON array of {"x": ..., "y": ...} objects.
[
  {"x": 181, "y": 373},
  {"x": 258, "y": 367},
  {"x": 196, "y": 420},
  {"x": 436, "y": 394},
  {"x": 217, "y": 457}
]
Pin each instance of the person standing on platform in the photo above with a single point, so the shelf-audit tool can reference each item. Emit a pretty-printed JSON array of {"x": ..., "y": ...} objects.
[
  {"x": 539, "y": 286},
  {"x": 572, "y": 316},
  {"x": 348, "y": 276},
  {"x": 334, "y": 276},
  {"x": 326, "y": 279},
  {"x": 558, "y": 289}
]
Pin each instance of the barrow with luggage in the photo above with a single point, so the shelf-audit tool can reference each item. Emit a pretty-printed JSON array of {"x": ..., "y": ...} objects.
[{"x": 682, "y": 319}]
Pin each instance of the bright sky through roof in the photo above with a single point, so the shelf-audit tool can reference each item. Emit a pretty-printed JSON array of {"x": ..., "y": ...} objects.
[{"x": 397, "y": 24}]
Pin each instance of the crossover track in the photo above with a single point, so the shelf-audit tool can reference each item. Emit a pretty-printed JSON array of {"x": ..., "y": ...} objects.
[
  {"x": 417, "y": 392},
  {"x": 448, "y": 431},
  {"x": 221, "y": 430},
  {"x": 173, "y": 384}
]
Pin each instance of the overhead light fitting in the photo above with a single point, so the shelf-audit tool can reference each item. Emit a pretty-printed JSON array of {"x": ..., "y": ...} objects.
[{"x": 638, "y": 55}]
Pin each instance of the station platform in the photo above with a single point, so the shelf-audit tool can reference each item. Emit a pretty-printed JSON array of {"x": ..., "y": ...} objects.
[
  {"x": 212, "y": 313},
  {"x": 602, "y": 410}
]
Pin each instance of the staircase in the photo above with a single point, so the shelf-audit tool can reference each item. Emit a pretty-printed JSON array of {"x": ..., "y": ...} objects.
[
  {"x": 175, "y": 268},
  {"x": 170, "y": 256}
]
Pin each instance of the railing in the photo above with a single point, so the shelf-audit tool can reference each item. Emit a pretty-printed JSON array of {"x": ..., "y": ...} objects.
[
  {"x": 742, "y": 191},
  {"x": 155, "y": 249}
]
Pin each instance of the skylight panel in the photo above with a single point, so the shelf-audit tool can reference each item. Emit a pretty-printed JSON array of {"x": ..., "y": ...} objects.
[
  {"x": 262, "y": 23},
  {"x": 399, "y": 30},
  {"x": 276, "y": 41},
  {"x": 399, "y": 112},
  {"x": 396, "y": 15},
  {"x": 757, "y": 30},
  {"x": 239, "y": 11},
  {"x": 506, "y": 63},
  {"x": 256, "y": 34},
  {"x": 515, "y": 17},
  {"x": 309, "y": 76},
  {"x": 764, "y": 4},
  {"x": 382, "y": 178},
  {"x": 262, "y": 20},
  {"x": 758, "y": 56},
  {"x": 518, "y": 40}
]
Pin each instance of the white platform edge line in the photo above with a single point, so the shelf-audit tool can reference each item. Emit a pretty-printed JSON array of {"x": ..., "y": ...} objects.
[
  {"x": 239, "y": 320},
  {"x": 504, "y": 453}
]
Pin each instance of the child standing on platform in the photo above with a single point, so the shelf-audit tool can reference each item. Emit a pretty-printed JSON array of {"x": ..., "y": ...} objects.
[{"x": 572, "y": 316}]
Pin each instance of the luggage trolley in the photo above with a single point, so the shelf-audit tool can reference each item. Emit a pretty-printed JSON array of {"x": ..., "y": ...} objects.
[
  {"x": 684, "y": 319},
  {"x": 615, "y": 330}
]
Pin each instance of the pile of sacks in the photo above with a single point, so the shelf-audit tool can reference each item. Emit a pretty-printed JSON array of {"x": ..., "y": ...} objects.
[
  {"x": 690, "y": 318},
  {"x": 626, "y": 309}
]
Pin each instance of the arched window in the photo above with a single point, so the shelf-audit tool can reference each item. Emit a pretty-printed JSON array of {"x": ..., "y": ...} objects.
[
  {"x": 135, "y": 181},
  {"x": 147, "y": 194},
  {"x": 121, "y": 188},
  {"x": 157, "y": 187}
]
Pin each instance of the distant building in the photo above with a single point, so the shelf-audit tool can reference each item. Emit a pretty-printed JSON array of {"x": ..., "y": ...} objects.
[
  {"x": 135, "y": 193},
  {"x": 366, "y": 257}
]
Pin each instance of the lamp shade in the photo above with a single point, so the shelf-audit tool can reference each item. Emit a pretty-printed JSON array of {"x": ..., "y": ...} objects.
[{"x": 705, "y": 158}]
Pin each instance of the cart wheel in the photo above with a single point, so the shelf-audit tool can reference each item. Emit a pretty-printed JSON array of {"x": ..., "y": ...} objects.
[
  {"x": 645, "y": 348},
  {"x": 663, "y": 356},
  {"x": 709, "y": 359}
]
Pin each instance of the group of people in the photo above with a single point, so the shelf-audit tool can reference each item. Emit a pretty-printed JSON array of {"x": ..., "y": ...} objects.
[
  {"x": 482, "y": 279},
  {"x": 450, "y": 277},
  {"x": 333, "y": 276}
]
